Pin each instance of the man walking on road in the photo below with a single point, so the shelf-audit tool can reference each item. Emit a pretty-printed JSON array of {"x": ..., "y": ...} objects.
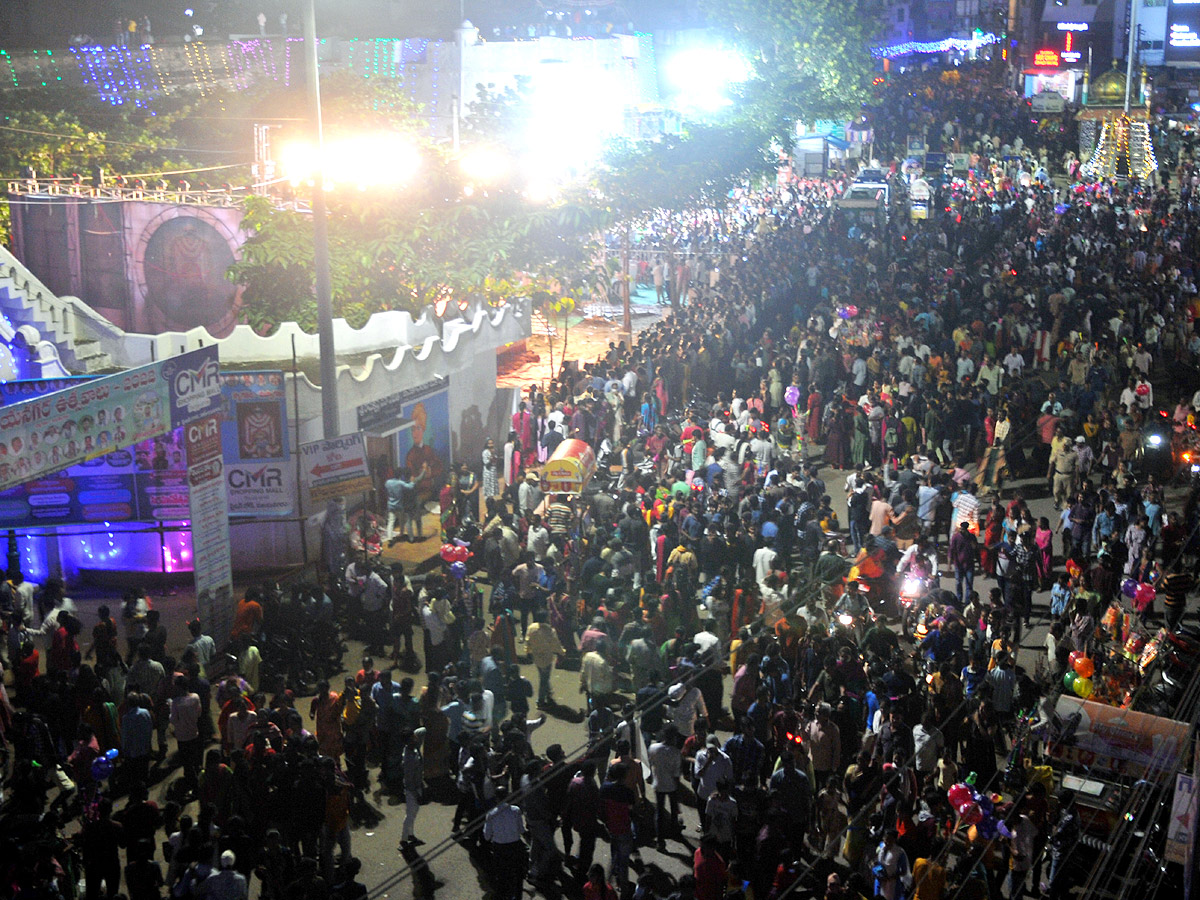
[{"x": 964, "y": 556}]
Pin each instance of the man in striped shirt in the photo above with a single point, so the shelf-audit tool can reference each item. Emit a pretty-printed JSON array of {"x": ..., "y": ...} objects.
[{"x": 1175, "y": 588}]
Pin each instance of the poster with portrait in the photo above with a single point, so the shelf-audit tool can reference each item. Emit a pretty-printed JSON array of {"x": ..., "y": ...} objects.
[
  {"x": 259, "y": 474},
  {"x": 418, "y": 422}
]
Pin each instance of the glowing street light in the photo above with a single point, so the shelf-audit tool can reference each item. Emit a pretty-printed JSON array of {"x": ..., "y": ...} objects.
[
  {"x": 700, "y": 77},
  {"x": 366, "y": 161},
  {"x": 484, "y": 165}
]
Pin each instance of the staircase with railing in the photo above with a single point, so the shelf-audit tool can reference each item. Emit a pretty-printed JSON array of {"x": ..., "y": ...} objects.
[{"x": 25, "y": 301}]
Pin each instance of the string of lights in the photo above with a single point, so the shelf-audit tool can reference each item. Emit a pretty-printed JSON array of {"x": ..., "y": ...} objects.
[
  {"x": 1125, "y": 147},
  {"x": 962, "y": 45}
]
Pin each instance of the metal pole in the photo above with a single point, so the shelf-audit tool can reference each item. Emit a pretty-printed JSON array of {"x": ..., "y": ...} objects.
[
  {"x": 324, "y": 288},
  {"x": 296, "y": 451},
  {"x": 1130, "y": 52},
  {"x": 626, "y": 325}
]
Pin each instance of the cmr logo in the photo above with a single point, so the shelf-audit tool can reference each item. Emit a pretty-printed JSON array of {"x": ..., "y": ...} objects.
[
  {"x": 266, "y": 478},
  {"x": 202, "y": 431},
  {"x": 198, "y": 384}
]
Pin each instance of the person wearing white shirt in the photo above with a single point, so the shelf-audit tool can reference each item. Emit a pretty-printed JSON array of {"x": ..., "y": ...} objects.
[
  {"x": 705, "y": 640},
  {"x": 1014, "y": 362},
  {"x": 764, "y": 563},
  {"x": 629, "y": 381},
  {"x": 772, "y": 603},
  {"x": 713, "y": 766},
  {"x": 858, "y": 370},
  {"x": 666, "y": 766},
  {"x": 990, "y": 375},
  {"x": 764, "y": 452},
  {"x": 687, "y": 705},
  {"x": 736, "y": 406}
]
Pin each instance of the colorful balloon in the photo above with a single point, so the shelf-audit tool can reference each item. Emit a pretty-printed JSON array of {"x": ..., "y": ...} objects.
[
  {"x": 447, "y": 552},
  {"x": 1074, "y": 657},
  {"x": 970, "y": 814},
  {"x": 792, "y": 395},
  {"x": 1084, "y": 667},
  {"x": 1142, "y": 390},
  {"x": 461, "y": 554},
  {"x": 102, "y": 767},
  {"x": 1129, "y": 588},
  {"x": 958, "y": 794},
  {"x": 1083, "y": 687},
  {"x": 1144, "y": 596},
  {"x": 1073, "y": 568},
  {"x": 459, "y": 570},
  {"x": 1069, "y": 681}
]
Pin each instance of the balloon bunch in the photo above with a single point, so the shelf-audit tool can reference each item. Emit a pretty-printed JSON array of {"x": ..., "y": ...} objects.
[
  {"x": 847, "y": 312},
  {"x": 102, "y": 766},
  {"x": 1073, "y": 568},
  {"x": 1141, "y": 593},
  {"x": 457, "y": 555},
  {"x": 792, "y": 395},
  {"x": 452, "y": 553},
  {"x": 977, "y": 810},
  {"x": 1079, "y": 677}
]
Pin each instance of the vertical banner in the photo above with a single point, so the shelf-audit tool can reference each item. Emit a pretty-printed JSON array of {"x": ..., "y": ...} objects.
[
  {"x": 259, "y": 474},
  {"x": 209, "y": 507},
  {"x": 1181, "y": 824}
]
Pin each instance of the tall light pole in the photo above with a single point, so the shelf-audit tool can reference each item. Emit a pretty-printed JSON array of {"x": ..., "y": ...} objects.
[
  {"x": 323, "y": 286},
  {"x": 1132, "y": 51}
]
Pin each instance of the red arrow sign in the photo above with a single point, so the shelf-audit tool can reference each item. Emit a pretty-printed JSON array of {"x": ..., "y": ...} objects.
[{"x": 338, "y": 466}]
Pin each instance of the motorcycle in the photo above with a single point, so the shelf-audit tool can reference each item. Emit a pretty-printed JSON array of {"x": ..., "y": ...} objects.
[
  {"x": 912, "y": 589},
  {"x": 1156, "y": 453}
]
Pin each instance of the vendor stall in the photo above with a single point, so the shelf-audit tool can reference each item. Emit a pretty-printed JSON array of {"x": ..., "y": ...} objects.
[{"x": 569, "y": 468}]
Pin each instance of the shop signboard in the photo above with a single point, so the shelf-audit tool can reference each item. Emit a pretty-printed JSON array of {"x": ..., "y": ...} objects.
[{"x": 1183, "y": 32}]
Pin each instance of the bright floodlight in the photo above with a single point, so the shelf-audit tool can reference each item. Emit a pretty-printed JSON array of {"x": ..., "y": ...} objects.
[
  {"x": 484, "y": 164},
  {"x": 371, "y": 160},
  {"x": 700, "y": 77},
  {"x": 574, "y": 109}
]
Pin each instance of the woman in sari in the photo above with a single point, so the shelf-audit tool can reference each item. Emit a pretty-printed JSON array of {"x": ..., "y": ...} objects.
[
  {"x": 814, "y": 415},
  {"x": 449, "y": 519},
  {"x": 437, "y": 728},
  {"x": 859, "y": 437},
  {"x": 661, "y": 394},
  {"x": 837, "y": 440}
]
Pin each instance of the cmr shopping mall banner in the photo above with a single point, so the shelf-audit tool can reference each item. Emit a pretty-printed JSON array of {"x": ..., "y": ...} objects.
[{"x": 50, "y": 432}]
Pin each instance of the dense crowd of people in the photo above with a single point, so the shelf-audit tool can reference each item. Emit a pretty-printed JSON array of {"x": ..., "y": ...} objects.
[{"x": 737, "y": 632}]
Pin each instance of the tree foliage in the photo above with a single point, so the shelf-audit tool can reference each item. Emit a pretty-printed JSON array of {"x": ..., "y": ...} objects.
[
  {"x": 431, "y": 243},
  {"x": 62, "y": 131},
  {"x": 811, "y": 58},
  {"x": 678, "y": 172}
]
